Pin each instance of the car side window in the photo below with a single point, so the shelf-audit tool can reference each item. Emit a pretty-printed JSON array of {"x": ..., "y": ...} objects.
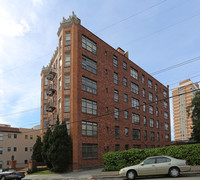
[
  {"x": 162, "y": 160},
  {"x": 150, "y": 161}
]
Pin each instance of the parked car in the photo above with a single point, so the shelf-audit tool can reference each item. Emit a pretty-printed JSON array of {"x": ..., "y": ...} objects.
[
  {"x": 11, "y": 174},
  {"x": 157, "y": 165}
]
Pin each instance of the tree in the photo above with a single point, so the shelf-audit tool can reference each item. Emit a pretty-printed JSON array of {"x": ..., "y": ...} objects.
[
  {"x": 195, "y": 107},
  {"x": 46, "y": 146},
  {"x": 60, "y": 150},
  {"x": 37, "y": 149}
]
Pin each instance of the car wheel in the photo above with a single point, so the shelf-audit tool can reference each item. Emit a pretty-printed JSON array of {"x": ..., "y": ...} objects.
[
  {"x": 131, "y": 174},
  {"x": 3, "y": 178},
  {"x": 174, "y": 172}
]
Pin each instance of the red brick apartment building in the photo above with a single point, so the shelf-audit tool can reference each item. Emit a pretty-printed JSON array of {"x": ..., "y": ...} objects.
[{"x": 108, "y": 101}]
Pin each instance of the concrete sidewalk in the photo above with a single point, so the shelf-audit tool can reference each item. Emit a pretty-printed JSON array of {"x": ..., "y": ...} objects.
[{"x": 89, "y": 174}]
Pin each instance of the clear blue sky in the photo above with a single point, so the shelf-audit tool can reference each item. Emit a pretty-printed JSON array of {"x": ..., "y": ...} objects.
[{"x": 157, "y": 34}]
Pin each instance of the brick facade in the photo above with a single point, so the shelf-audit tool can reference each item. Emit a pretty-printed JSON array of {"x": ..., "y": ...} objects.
[{"x": 106, "y": 122}]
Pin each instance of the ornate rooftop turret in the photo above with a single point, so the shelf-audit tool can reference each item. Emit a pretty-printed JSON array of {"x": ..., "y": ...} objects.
[{"x": 68, "y": 22}]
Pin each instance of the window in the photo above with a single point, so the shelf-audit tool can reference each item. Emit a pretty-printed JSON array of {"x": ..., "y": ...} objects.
[
  {"x": 89, "y": 129},
  {"x": 67, "y": 38},
  {"x": 126, "y": 114},
  {"x": 126, "y": 147},
  {"x": 152, "y": 136},
  {"x": 1, "y": 150},
  {"x": 134, "y": 88},
  {"x": 89, "y": 151},
  {"x": 136, "y": 146},
  {"x": 68, "y": 127},
  {"x": 135, "y": 103},
  {"x": 144, "y": 106},
  {"x": 9, "y": 149},
  {"x": 150, "y": 161},
  {"x": 156, "y": 99},
  {"x": 67, "y": 81},
  {"x": 26, "y": 136},
  {"x": 116, "y": 113},
  {"x": 145, "y": 135},
  {"x": 167, "y": 137},
  {"x": 116, "y": 132},
  {"x": 145, "y": 121},
  {"x": 115, "y": 62},
  {"x": 45, "y": 81},
  {"x": 89, "y": 85},
  {"x": 1, "y": 164},
  {"x": 166, "y": 126},
  {"x": 31, "y": 149},
  {"x": 157, "y": 124},
  {"x": 25, "y": 161},
  {"x": 151, "y": 122},
  {"x": 157, "y": 112},
  {"x": 116, "y": 96},
  {"x": 165, "y": 104},
  {"x": 15, "y": 136},
  {"x": 117, "y": 147},
  {"x": 1, "y": 137},
  {"x": 134, "y": 73},
  {"x": 115, "y": 78},
  {"x": 158, "y": 136},
  {"x": 135, "y": 118},
  {"x": 162, "y": 160},
  {"x": 150, "y": 97},
  {"x": 150, "y": 85},
  {"x": 45, "y": 94},
  {"x": 125, "y": 81},
  {"x": 67, "y": 104},
  {"x": 151, "y": 109},
  {"x": 143, "y": 93},
  {"x": 143, "y": 79},
  {"x": 67, "y": 59},
  {"x": 166, "y": 115},
  {"x": 89, "y": 44},
  {"x": 31, "y": 137},
  {"x": 26, "y": 149},
  {"x": 9, "y": 136},
  {"x": 45, "y": 109},
  {"x": 15, "y": 149},
  {"x": 165, "y": 94},
  {"x": 136, "y": 134},
  {"x": 89, "y": 107},
  {"x": 89, "y": 64},
  {"x": 124, "y": 65},
  {"x": 125, "y": 98},
  {"x": 126, "y": 131},
  {"x": 156, "y": 87}
]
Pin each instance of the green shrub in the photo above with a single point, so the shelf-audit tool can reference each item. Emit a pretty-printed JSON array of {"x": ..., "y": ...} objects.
[{"x": 114, "y": 161}]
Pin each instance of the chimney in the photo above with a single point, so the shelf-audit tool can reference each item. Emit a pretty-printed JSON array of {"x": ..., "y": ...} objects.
[{"x": 121, "y": 51}]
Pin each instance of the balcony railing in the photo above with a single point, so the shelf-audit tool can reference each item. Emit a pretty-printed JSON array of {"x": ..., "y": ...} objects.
[
  {"x": 50, "y": 107},
  {"x": 50, "y": 90},
  {"x": 51, "y": 74}
]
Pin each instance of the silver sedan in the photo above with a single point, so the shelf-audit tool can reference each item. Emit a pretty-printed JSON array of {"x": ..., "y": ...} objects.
[{"x": 157, "y": 165}]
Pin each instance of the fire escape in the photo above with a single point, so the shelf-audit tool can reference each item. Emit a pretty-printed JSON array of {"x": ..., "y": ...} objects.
[{"x": 51, "y": 90}]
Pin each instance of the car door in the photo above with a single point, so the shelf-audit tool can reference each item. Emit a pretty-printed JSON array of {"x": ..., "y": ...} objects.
[
  {"x": 147, "y": 167},
  {"x": 162, "y": 165}
]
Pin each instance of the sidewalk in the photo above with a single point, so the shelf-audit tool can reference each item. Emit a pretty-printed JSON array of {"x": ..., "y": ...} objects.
[{"x": 89, "y": 174}]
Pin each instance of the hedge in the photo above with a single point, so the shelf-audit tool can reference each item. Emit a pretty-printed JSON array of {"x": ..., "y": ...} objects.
[{"x": 114, "y": 161}]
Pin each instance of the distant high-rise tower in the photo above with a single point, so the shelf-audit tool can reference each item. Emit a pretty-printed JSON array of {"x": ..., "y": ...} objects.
[{"x": 183, "y": 123}]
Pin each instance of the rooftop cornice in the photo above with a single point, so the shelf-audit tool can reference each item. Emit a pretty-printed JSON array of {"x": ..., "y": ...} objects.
[{"x": 68, "y": 22}]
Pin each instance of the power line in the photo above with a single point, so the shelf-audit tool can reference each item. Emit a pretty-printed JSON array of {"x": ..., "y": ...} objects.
[
  {"x": 19, "y": 112},
  {"x": 162, "y": 29},
  {"x": 176, "y": 65},
  {"x": 106, "y": 114},
  {"x": 133, "y": 15}
]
